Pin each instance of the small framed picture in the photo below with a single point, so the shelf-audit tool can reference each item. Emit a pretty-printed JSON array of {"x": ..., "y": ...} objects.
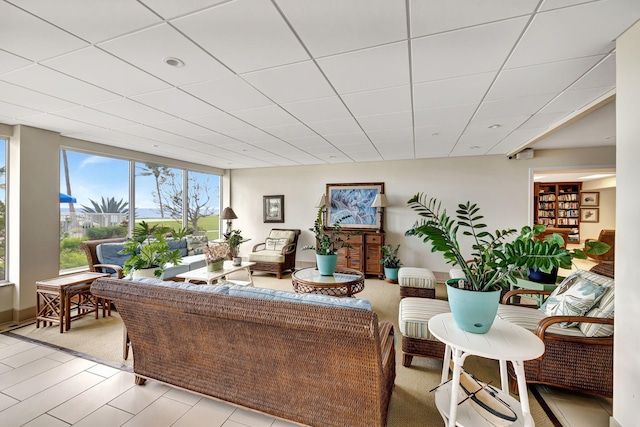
[
  {"x": 273, "y": 208},
  {"x": 589, "y": 215},
  {"x": 590, "y": 198}
]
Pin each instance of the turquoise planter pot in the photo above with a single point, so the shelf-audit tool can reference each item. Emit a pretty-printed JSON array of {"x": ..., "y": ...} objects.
[
  {"x": 326, "y": 264},
  {"x": 473, "y": 311},
  {"x": 391, "y": 273}
]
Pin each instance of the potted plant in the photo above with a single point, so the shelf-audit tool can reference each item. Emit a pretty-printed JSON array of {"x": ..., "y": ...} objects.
[
  {"x": 390, "y": 262},
  {"x": 149, "y": 252},
  {"x": 215, "y": 254},
  {"x": 234, "y": 240},
  {"x": 328, "y": 242},
  {"x": 494, "y": 260}
]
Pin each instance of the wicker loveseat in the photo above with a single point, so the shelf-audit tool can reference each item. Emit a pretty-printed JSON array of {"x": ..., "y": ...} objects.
[{"x": 313, "y": 364}]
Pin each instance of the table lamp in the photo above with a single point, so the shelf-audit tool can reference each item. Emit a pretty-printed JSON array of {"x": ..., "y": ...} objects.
[
  {"x": 380, "y": 202},
  {"x": 228, "y": 214}
]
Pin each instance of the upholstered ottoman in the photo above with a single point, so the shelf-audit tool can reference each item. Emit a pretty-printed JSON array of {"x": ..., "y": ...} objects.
[
  {"x": 413, "y": 321},
  {"x": 416, "y": 282}
]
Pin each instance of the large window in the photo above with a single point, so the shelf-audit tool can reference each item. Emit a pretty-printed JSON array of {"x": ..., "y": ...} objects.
[
  {"x": 3, "y": 207},
  {"x": 94, "y": 203}
]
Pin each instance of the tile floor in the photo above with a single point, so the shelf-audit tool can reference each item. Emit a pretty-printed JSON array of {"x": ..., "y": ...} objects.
[{"x": 44, "y": 387}]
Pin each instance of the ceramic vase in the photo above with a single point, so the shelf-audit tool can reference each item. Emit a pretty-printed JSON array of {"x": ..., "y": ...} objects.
[
  {"x": 215, "y": 266},
  {"x": 145, "y": 272},
  {"x": 473, "y": 311},
  {"x": 326, "y": 264}
]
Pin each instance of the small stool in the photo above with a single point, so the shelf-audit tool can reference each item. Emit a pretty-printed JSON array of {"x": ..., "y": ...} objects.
[
  {"x": 413, "y": 320},
  {"x": 416, "y": 282}
]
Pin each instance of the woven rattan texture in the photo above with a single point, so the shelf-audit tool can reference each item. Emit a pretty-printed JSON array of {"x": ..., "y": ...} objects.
[
  {"x": 311, "y": 364},
  {"x": 423, "y": 348},
  {"x": 406, "y": 291}
]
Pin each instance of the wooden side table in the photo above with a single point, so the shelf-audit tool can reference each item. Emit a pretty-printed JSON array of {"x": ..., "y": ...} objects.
[
  {"x": 504, "y": 342},
  {"x": 57, "y": 294}
]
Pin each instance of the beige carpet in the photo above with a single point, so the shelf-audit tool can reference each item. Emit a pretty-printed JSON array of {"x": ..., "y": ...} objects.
[{"x": 411, "y": 404}]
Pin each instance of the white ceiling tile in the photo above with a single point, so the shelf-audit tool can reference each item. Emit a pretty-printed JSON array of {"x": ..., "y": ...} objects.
[
  {"x": 574, "y": 32},
  {"x": 230, "y": 94},
  {"x": 171, "y": 8},
  {"x": 603, "y": 74},
  {"x": 540, "y": 79},
  {"x": 127, "y": 108},
  {"x": 180, "y": 127},
  {"x": 380, "y": 101},
  {"x": 557, "y": 4},
  {"x": 445, "y": 93},
  {"x": 290, "y": 132},
  {"x": 430, "y": 17},
  {"x": 469, "y": 151},
  {"x": 317, "y": 110},
  {"x": 386, "y": 121},
  {"x": 438, "y": 135},
  {"x": 245, "y": 35},
  {"x": 464, "y": 52},
  {"x": 430, "y": 151},
  {"x": 92, "y": 20},
  {"x": 176, "y": 102},
  {"x": 444, "y": 116},
  {"x": 220, "y": 140},
  {"x": 10, "y": 62},
  {"x": 572, "y": 100},
  {"x": 543, "y": 120},
  {"x": 290, "y": 83},
  {"x": 335, "y": 26},
  {"x": 97, "y": 118},
  {"x": 56, "y": 123},
  {"x": 329, "y": 127},
  {"x": 520, "y": 106},
  {"x": 368, "y": 69},
  {"x": 479, "y": 126},
  {"x": 399, "y": 136},
  {"x": 312, "y": 141},
  {"x": 14, "y": 111},
  {"x": 357, "y": 138},
  {"x": 28, "y": 36},
  {"x": 514, "y": 140},
  {"x": 268, "y": 116},
  {"x": 149, "y": 133},
  {"x": 220, "y": 122},
  {"x": 102, "y": 69},
  {"x": 51, "y": 82},
  {"x": 252, "y": 136},
  {"x": 25, "y": 97},
  {"x": 147, "y": 49}
]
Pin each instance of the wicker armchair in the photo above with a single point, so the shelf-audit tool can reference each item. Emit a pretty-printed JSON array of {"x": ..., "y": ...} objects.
[
  {"x": 608, "y": 237},
  {"x": 278, "y": 253},
  {"x": 89, "y": 248},
  {"x": 572, "y": 362}
]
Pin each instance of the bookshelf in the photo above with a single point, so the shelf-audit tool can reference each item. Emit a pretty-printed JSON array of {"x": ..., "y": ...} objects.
[{"x": 557, "y": 204}]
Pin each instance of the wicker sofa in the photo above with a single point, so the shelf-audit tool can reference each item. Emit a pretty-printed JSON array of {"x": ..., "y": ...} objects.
[{"x": 319, "y": 365}]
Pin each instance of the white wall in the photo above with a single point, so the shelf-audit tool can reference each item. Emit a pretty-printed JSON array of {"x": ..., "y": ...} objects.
[
  {"x": 626, "y": 379},
  {"x": 498, "y": 185}
]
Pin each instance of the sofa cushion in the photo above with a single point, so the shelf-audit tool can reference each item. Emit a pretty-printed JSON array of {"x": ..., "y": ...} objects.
[
  {"x": 194, "y": 261},
  {"x": 416, "y": 278},
  {"x": 108, "y": 253},
  {"x": 275, "y": 244},
  {"x": 528, "y": 318},
  {"x": 282, "y": 234},
  {"x": 604, "y": 309},
  {"x": 575, "y": 296},
  {"x": 196, "y": 244},
  {"x": 277, "y": 295},
  {"x": 266, "y": 256},
  {"x": 214, "y": 289},
  {"x": 178, "y": 244},
  {"x": 414, "y": 316},
  {"x": 171, "y": 270}
]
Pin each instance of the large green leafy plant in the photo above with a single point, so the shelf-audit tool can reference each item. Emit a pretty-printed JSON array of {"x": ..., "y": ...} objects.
[
  {"x": 149, "y": 248},
  {"x": 390, "y": 256},
  {"x": 495, "y": 257},
  {"x": 328, "y": 241}
]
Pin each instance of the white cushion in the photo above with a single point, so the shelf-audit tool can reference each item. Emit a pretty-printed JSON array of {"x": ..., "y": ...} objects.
[
  {"x": 266, "y": 256},
  {"x": 604, "y": 309},
  {"x": 415, "y": 314},
  {"x": 282, "y": 234},
  {"x": 416, "y": 278},
  {"x": 528, "y": 318},
  {"x": 275, "y": 244}
]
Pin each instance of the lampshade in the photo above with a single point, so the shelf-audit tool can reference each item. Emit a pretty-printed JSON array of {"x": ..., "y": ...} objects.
[
  {"x": 322, "y": 201},
  {"x": 228, "y": 213},
  {"x": 380, "y": 201}
]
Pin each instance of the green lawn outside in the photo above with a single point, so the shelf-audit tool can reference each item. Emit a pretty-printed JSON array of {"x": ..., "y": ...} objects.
[{"x": 209, "y": 223}]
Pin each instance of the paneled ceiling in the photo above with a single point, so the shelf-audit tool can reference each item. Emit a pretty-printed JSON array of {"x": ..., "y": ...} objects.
[{"x": 301, "y": 82}]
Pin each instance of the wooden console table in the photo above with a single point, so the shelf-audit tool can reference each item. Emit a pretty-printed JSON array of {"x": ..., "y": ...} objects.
[{"x": 57, "y": 294}]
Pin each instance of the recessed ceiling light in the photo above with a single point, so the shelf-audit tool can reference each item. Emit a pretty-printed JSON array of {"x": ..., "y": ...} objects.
[
  {"x": 435, "y": 134},
  {"x": 474, "y": 147},
  {"x": 496, "y": 126},
  {"x": 174, "y": 62},
  {"x": 156, "y": 146},
  {"x": 332, "y": 157}
]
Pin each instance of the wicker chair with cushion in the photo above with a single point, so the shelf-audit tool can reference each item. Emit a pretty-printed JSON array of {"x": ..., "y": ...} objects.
[
  {"x": 278, "y": 252},
  {"x": 90, "y": 248},
  {"x": 608, "y": 237},
  {"x": 578, "y": 346}
]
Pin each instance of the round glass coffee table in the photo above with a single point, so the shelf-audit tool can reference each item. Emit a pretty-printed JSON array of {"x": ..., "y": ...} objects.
[{"x": 345, "y": 282}]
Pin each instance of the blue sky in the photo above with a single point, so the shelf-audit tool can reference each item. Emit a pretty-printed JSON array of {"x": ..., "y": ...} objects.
[{"x": 93, "y": 177}]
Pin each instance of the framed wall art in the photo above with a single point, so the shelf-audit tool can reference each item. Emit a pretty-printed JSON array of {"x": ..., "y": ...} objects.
[
  {"x": 354, "y": 200},
  {"x": 273, "y": 208},
  {"x": 589, "y": 198},
  {"x": 589, "y": 215}
]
